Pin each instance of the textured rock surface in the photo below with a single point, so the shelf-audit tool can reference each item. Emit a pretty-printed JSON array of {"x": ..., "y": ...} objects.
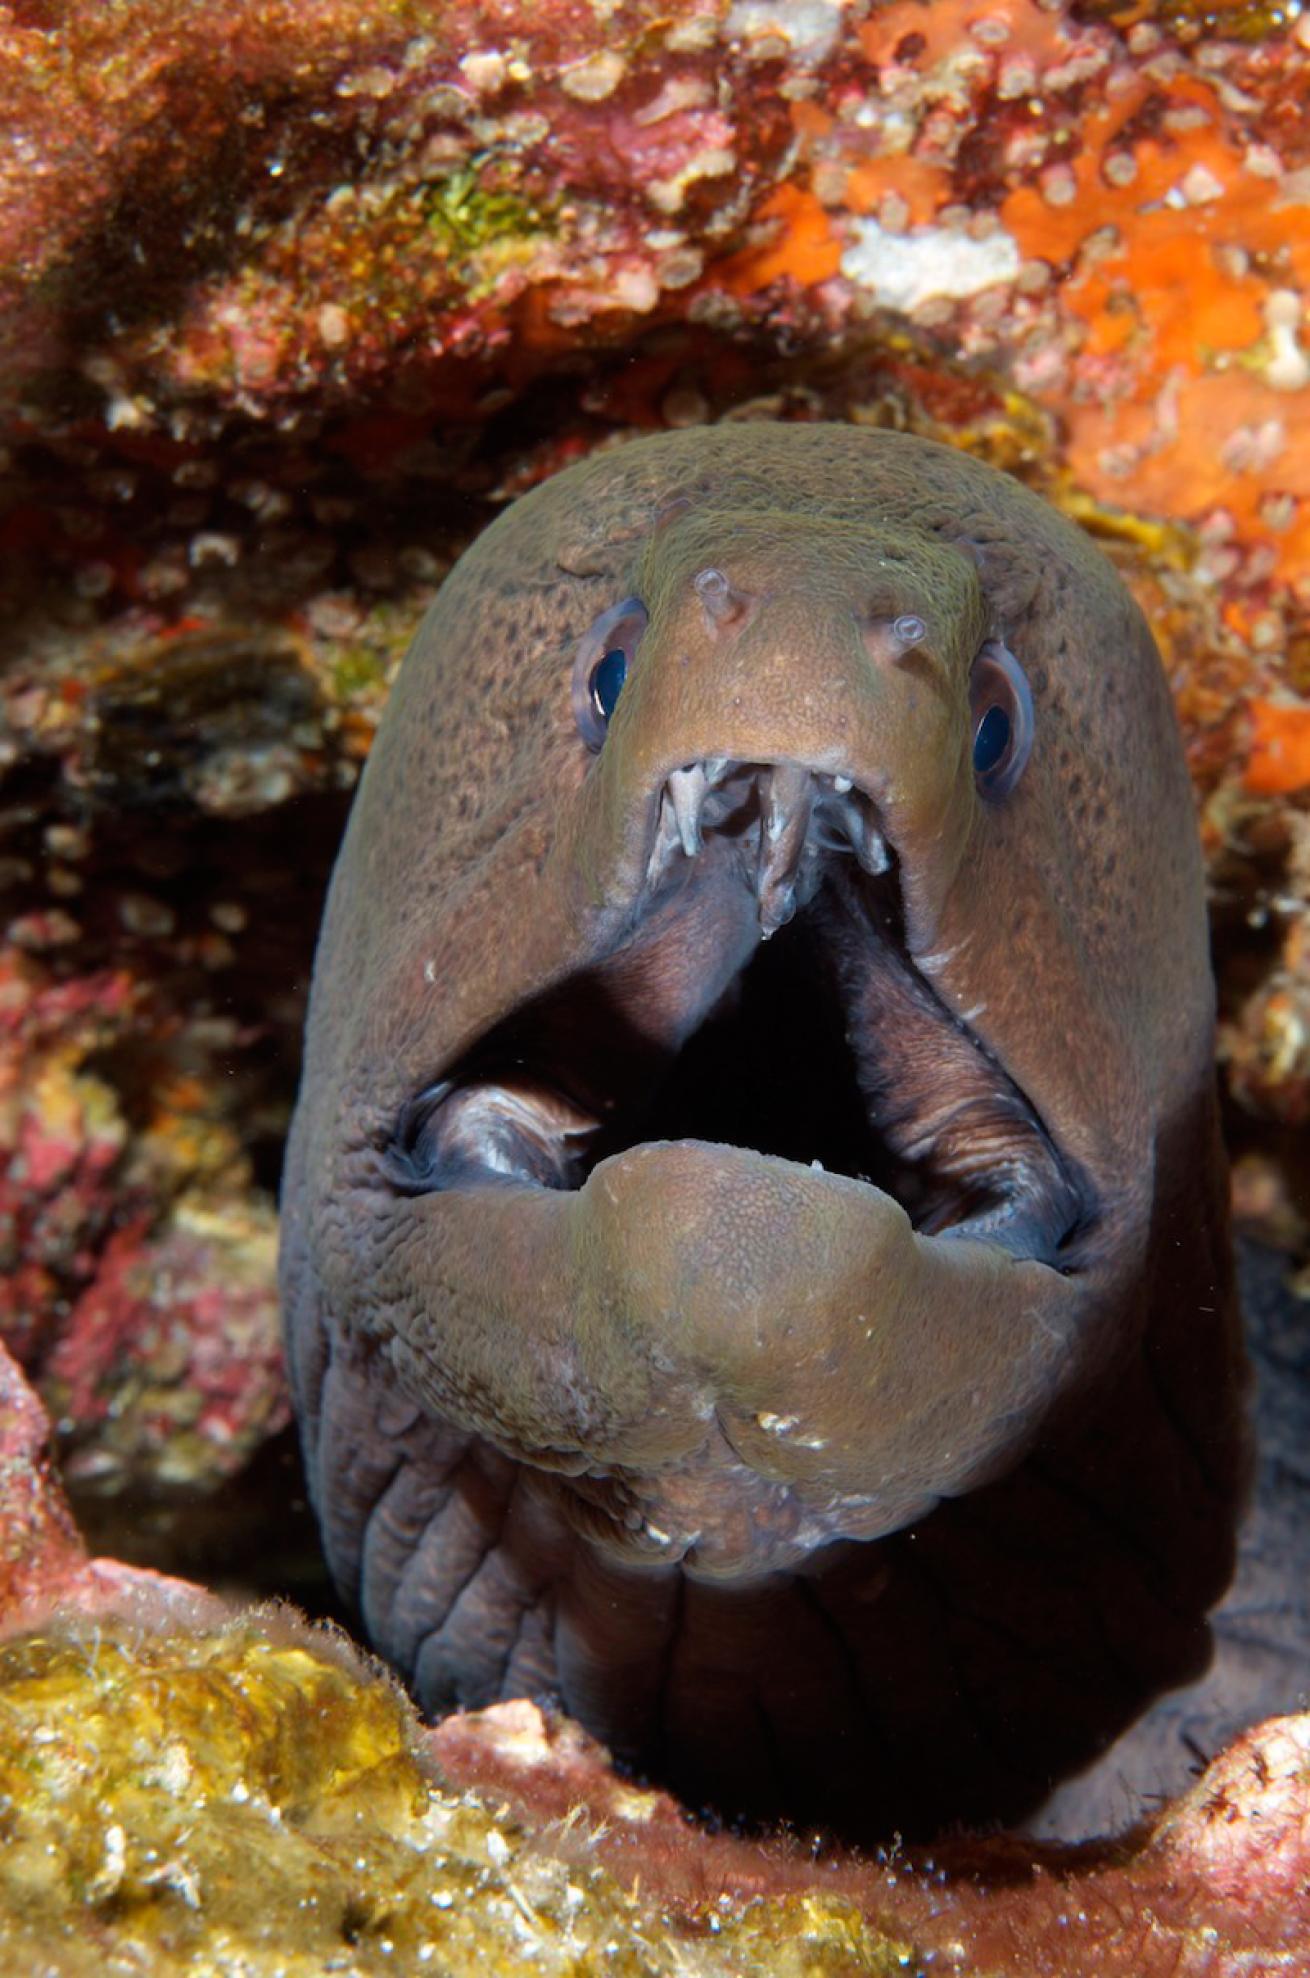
[
  {"x": 138, "y": 1266},
  {"x": 252, "y": 1801},
  {"x": 250, "y": 1798},
  {"x": 44, "y": 1562},
  {"x": 39, "y": 1544}
]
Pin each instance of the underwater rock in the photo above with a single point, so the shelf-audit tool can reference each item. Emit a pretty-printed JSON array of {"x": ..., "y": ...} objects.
[
  {"x": 255, "y": 1796},
  {"x": 299, "y": 202},
  {"x": 256, "y": 1799},
  {"x": 44, "y": 1563},
  {"x": 39, "y": 1542},
  {"x": 137, "y": 1288},
  {"x": 396, "y": 218}
]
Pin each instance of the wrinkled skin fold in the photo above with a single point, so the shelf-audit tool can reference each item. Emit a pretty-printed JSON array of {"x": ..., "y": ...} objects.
[{"x": 755, "y": 1260}]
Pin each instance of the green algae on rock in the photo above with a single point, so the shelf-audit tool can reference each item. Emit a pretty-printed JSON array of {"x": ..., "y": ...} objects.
[{"x": 253, "y": 1801}]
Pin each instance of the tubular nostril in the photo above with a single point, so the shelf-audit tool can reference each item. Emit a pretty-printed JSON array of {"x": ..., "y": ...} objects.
[{"x": 722, "y": 604}]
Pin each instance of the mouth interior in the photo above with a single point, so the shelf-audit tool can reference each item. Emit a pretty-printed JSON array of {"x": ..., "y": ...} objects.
[
  {"x": 812, "y": 1037},
  {"x": 772, "y": 1069}
]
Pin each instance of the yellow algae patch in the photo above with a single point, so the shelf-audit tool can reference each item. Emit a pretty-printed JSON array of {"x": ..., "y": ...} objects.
[{"x": 255, "y": 1801}]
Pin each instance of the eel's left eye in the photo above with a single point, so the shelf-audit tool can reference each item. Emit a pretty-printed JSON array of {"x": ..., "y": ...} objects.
[
  {"x": 603, "y": 662},
  {"x": 607, "y": 677},
  {"x": 1001, "y": 717}
]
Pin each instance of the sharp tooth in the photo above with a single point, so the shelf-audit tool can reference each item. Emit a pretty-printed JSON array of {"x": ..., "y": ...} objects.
[
  {"x": 866, "y": 841},
  {"x": 786, "y": 799},
  {"x": 841, "y": 784},
  {"x": 872, "y": 851},
  {"x": 687, "y": 792},
  {"x": 666, "y": 840},
  {"x": 716, "y": 767},
  {"x": 776, "y": 910}
]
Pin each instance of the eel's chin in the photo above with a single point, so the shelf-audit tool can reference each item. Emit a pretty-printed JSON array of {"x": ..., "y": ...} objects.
[{"x": 755, "y": 1137}]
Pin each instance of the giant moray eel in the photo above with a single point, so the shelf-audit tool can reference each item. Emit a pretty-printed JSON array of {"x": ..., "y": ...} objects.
[{"x": 756, "y": 1267}]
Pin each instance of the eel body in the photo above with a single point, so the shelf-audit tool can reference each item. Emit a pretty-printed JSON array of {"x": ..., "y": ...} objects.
[{"x": 755, "y": 1263}]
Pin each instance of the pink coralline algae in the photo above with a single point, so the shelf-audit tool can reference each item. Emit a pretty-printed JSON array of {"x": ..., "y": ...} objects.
[
  {"x": 62, "y": 1137},
  {"x": 292, "y": 200},
  {"x": 142, "y": 1302},
  {"x": 170, "y": 1371},
  {"x": 44, "y": 1565},
  {"x": 39, "y": 1544}
]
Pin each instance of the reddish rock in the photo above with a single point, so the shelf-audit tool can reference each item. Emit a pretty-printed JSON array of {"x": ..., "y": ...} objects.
[
  {"x": 138, "y": 1283},
  {"x": 169, "y": 1370},
  {"x": 39, "y": 1543},
  {"x": 1218, "y": 1886},
  {"x": 44, "y": 1566},
  {"x": 61, "y": 1136},
  {"x": 238, "y": 212}
]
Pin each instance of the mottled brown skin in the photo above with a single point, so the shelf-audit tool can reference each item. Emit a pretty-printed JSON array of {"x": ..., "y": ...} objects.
[{"x": 542, "y": 1426}]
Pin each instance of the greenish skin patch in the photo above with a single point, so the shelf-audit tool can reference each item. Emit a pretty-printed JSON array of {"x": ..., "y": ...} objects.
[{"x": 803, "y": 1504}]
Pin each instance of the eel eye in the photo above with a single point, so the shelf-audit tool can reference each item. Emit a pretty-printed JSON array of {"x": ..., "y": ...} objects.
[
  {"x": 1001, "y": 717},
  {"x": 604, "y": 659},
  {"x": 607, "y": 677}
]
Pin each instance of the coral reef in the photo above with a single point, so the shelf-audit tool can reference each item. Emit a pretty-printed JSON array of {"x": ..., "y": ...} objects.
[{"x": 142, "y": 1298}]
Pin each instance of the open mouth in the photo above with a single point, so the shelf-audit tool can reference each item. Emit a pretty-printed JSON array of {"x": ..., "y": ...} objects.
[{"x": 765, "y": 999}]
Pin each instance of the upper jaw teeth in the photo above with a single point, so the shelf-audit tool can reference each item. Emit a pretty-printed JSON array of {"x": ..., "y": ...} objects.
[
  {"x": 686, "y": 792},
  {"x": 799, "y": 814}
]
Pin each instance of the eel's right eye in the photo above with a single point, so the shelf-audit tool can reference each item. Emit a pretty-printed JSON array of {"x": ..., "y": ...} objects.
[
  {"x": 1001, "y": 715},
  {"x": 607, "y": 677},
  {"x": 603, "y": 663}
]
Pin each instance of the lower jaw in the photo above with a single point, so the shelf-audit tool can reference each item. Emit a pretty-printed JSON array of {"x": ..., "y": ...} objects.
[{"x": 738, "y": 1330}]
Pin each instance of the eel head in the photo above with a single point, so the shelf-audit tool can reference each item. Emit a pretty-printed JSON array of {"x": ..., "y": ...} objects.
[{"x": 760, "y": 1055}]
